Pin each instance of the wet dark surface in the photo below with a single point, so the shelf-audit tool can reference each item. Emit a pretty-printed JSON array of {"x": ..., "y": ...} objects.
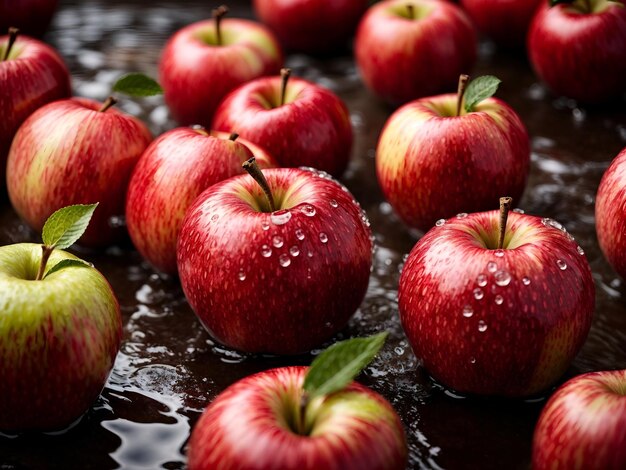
[{"x": 169, "y": 369}]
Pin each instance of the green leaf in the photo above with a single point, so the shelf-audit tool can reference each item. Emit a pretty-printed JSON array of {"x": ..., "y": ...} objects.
[
  {"x": 137, "y": 84},
  {"x": 480, "y": 89},
  {"x": 338, "y": 365},
  {"x": 66, "y": 226},
  {"x": 66, "y": 263}
]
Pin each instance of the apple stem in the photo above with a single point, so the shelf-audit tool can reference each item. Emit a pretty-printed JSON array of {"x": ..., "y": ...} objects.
[
  {"x": 46, "y": 251},
  {"x": 218, "y": 14},
  {"x": 284, "y": 75},
  {"x": 505, "y": 207},
  {"x": 588, "y": 6},
  {"x": 110, "y": 101},
  {"x": 234, "y": 136},
  {"x": 253, "y": 170},
  {"x": 463, "y": 79},
  {"x": 301, "y": 424},
  {"x": 411, "y": 9},
  {"x": 13, "y": 32}
]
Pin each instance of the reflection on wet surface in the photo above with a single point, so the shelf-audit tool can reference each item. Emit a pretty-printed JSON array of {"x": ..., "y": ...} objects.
[{"x": 169, "y": 368}]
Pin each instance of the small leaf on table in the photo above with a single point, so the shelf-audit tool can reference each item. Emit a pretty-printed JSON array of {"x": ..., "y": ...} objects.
[{"x": 137, "y": 84}]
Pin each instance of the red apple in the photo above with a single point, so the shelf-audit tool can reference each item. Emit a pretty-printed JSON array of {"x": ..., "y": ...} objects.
[
  {"x": 75, "y": 151},
  {"x": 182, "y": 162},
  {"x": 409, "y": 49},
  {"x": 32, "y": 75},
  {"x": 504, "y": 21},
  {"x": 311, "y": 26},
  {"x": 429, "y": 159},
  {"x": 611, "y": 213},
  {"x": 199, "y": 66},
  {"x": 300, "y": 123},
  {"x": 251, "y": 426},
  {"x": 579, "y": 49},
  {"x": 583, "y": 425},
  {"x": 279, "y": 280},
  {"x": 30, "y": 16},
  {"x": 496, "y": 321}
]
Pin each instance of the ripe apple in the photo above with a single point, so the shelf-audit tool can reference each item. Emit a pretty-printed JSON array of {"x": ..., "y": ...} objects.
[
  {"x": 504, "y": 21},
  {"x": 202, "y": 62},
  {"x": 579, "y": 49},
  {"x": 610, "y": 214},
  {"x": 299, "y": 418},
  {"x": 61, "y": 329},
  {"x": 75, "y": 151},
  {"x": 409, "y": 49},
  {"x": 311, "y": 26},
  {"x": 182, "y": 162},
  {"x": 30, "y": 16},
  {"x": 432, "y": 152},
  {"x": 496, "y": 319},
  {"x": 298, "y": 122},
  {"x": 275, "y": 278},
  {"x": 583, "y": 425},
  {"x": 31, "y": 75}
]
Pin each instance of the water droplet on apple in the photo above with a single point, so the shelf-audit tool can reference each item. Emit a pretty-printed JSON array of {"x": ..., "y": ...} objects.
[
  {"x": 461, "y": 215},
  {"x": 266, "y": 251},
  {"x": 580, "y": 250},
  {"x": 277, "y": 241},
  {"x": 499, "y": 253},
  {"x": 284, "y": 260},
  {"x": 468, "y": 311},
  {"x": 214, "y": 217},
  {"x": 561, "y": 264},
  {"x": 502, "y": 278},
  {"x": 310, "y": 254},
  {"x": 478, "y": 293},
  {"x": 299, "y": 234},
  {"x": 499, "y": 300},
  {"x": 323, "y": 237},
  {"x": 481, "y": 280},
  {"x": 517, "y": 210},
  {"x": 308, "y": 209},
  {"x": 492, "y": 267},
  {"x": 440, "y": 222},
  {"x": 294, "y": 251},
  {"x": 280, "y": 217},
  {"x": 91, "y": 265},
  {"x": 526, "y": 281},
  {"x": 334, "y": 203},
  {"x": 553, "y": 224},
  {"x": 473, "y": 360},
  {"x": 482, "y": 326},
  {"x": 242, "y": 276},
  {"x": 569, "y": 236},
  {"x": 265, "y": 225}
]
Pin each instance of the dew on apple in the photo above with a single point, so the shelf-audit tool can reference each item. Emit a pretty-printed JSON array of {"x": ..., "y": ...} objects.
[
  {"x": 580, "y": 250},
  {"x": 299, "y": 234},
  {"x": 265, "y": 225},
  {"x": 503, "y": 278},
  {"x": 266, "y": 251},
  {"x": 461, "y": 215},
  {"x": 492, "y": 267},
  {"x": 310, "y": 254},
  {"x": 294, "y": 251},
  {"x": 277, "y": 241},
  {"x": 499, "y": 300},
  {"x": 242, "y": 276},
  {"x": 499, "y": 253},
  {"x": 440, "y": 222},
  {"x": 284, "y": 260},
  {"x": 561, "y": 264},
  {"x": 548, "y": 222},
  {"x": 280, "y": 217},
  {"x": 334, "y": 203},
  {"x": 526, "y": 281},
  {"x": 472, "y": 360},
  {"x": 482, "y": 326},
  {"x": 517, "y": 210},
  {"x": 481, "y": 280},
  {"x": 478, "y": 293},
  {"x": 323, "y": 237},
  {"x": 308, "y": 210},
  {"x": 468, "y": 311}
]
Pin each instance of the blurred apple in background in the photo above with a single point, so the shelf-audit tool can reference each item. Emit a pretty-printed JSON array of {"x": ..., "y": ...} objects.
[
  {"x": 298, "y": 122},
  {"x": 433, "y": 152},
  {"x": 496, "y": 313},
  {"x": 311, "y": 26},
  {"x": 583, "y": 425},
  {"x": 202, "y": 62},
  {"x": 579, "y": 48},
  {"x": 409, "y": 49},
  {"x": 504, "y": 21},
  {"x": 170, "y": 174},
  {"x": 275, "y": 278},
  {"x": 31, "y": 75},
  {"x": 30, "y": 16},
  {"x": 75, "y": 151}
]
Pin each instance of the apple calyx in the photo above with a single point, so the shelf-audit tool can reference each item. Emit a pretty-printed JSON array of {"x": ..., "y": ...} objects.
[
  {"x": 505, "y": 207},
  {"x": 253, "y": 170},
  {"x": 218, "y": 14},
  {"x": 110, "y": 101},
  {"x": 62, "y": 229},
  {"x": 13, "y": 32},
  {"x": 460, "y": 93},
  {"x": 331, "y": 372},
  {"x": 285, "y": 73}
]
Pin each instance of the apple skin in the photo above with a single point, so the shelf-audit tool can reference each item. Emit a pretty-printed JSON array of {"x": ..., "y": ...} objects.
[
  {"x": 246, "y": 427},
  {"x": 59, "y": 336},
  {"x": 33, "y": 75},
  {"x": 311, "y": 129},
  {"x": 401, "y": 59},
  {"x": 259, "y": 282},
  {"x": 580, "y": 55},
  {"x": 183, "y": 162},
  {"x": 311, "y": 26},
  {"x": 510, "y": 328},
  {"x": 30, "y": 16},
  {"x": 68, "y": 152},
  {"x": 428, "y": 160},
  {"x": 583, "y": 425},
  {"x": 504, "y": 21},
  {"x": 196, "y": 74},
  {"x": 610, "y": 213}
]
